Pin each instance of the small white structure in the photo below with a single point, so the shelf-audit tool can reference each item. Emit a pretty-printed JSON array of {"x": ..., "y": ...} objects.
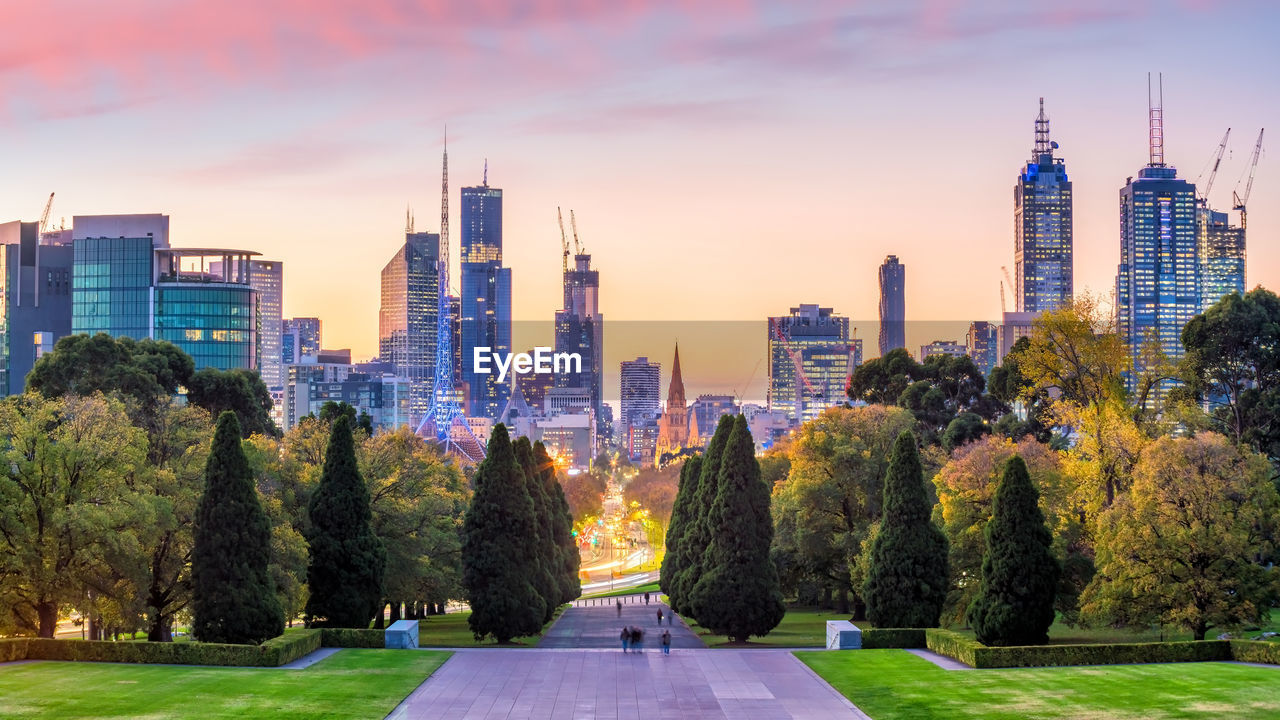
[
  {"x": 841, "y": 635},
  {"x": 402, "y": 635}
]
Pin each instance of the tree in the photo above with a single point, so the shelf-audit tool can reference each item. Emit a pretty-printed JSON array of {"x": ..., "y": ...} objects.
[
  {"x": 1180, "y": 546},
  {"x": 495, "y": 548},
  {"x": 681, "y": 516},
  {"x": 824, "y": 508},
  {"x": 330, "y": 411},
  {"x": 143, "y": 372},
  {"x": 237, "y": 390},
  {"x": 882, "y": 380},
  {"x": 906, "y": 583},
  {"x": 1014, "y": 605},
  {"x": 561, "y": 527},
  {"x": 697, "y": 533},
  {"x": 417, "y": 499},
  {"x": 738, "y": 594},
  {"x": 585, "y": 494},
  {"x": 963, "y": 429},
  {"x": 234, "y": 601},
  {"x": 64, "y": 501},
  {"x": 966, "y": 486},
  {"x": 544, "y": 551},
  {"x": 1233, "y": 364},
  {"x": 347, "y": 560},
  {"x": 1076, "y": 352}
]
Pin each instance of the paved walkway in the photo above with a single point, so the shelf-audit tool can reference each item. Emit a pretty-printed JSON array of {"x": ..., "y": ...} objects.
[
  {"x": 756, "y": 684},
  {"x": 579, "y": 670},
  {"x": 941, "y": 661},
  {"x": 598, "y": 626}
]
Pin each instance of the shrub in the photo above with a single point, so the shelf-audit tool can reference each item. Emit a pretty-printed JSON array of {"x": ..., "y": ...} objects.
[
  {"x": 287, "y": 648},
  {"x": 1255, "y": 651},
  {"x": 881, "y": 638},
  {"x": 353, "y": 638}
]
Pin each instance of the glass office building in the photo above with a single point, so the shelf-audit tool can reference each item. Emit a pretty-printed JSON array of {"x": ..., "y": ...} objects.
[
  {"x": 485, "y": 313},
  {"x": 893, "y": 305},
  {"x": 1222, "y": 256},
  {"x": 407, "y": 318},
  {"x": 1042, "y": 251},
  {"x": 811, "y": 355},
  {"x": 206, "y": 305}
]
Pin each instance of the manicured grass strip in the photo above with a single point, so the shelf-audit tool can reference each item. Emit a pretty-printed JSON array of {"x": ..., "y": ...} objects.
[
  {"x": 896, "y": 685},
  {"x": 451, "y": 631},
  {"x": 349, "y": 684},
  {"x": 799, "y": 628},
  {"x": 637, "y": 590}
]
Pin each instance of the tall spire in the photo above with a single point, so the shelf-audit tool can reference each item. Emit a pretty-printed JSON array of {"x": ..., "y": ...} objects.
[
  {"x": 1155, "y": 123},
  {"x": 486, "y": 172},
  {"x": 675, "y": 392},
  {"x": 1043, "y": 146}
]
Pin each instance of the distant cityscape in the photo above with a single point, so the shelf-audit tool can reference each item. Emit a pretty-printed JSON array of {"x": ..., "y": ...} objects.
[{"x": 119, "y": 274}]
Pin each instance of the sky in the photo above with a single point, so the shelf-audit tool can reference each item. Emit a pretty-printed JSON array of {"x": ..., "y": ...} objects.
[{"x": 726, "y": 159}]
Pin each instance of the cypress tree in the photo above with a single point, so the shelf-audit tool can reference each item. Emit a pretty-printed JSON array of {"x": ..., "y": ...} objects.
[
  {"x": 346, "y": 560},
  {"x": 680, "y": 511},
  {"x": 234, "y": 600},
  {"x": 1014, "y": 605},
  {"x": 906, "y": 583},
  {"x": 568, "y": 558},
  {"x": 496, "y": 556},
  {"x": 545, "y": 554},
  {"x": 738, "y": 594},
  {"x": 696, "y": 533}
]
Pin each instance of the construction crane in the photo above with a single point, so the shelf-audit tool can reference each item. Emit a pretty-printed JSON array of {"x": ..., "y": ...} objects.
[
  {"x": 564, "y": 241},
  {"x": 44, "y": 217},
  {"x": 1213, "y": 173},
  {"x": 1239, "y": 201},
  {"x": 573, "y": 223}
]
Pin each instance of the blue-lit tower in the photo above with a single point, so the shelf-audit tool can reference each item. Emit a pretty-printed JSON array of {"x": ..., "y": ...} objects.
[
  {"x": 1043, "y": 271},
  {"x": 1158, "y": 280},
  {"x": 486, "y": 296}
]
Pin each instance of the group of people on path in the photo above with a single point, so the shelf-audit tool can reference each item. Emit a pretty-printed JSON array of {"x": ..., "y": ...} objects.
[{"x": 633, "y": 637}]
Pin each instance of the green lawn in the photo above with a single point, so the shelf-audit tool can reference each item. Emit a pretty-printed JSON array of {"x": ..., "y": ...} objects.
[
  {"x": 637, "y": 590},
  {"x": 451, "y": 631},
  {"x": 349, "y": 684},
  {"x": 800, "y": 627},
  {"x": 896, "y": 685}
]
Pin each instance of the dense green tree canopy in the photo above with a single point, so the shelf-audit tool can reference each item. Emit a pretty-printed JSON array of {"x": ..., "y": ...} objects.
[
  {"x": 1014, "y": 604},
  {"x": 145, "y": 373},
  {"x": 234, "y": 601},
  {"x": 240, "y": 391}
]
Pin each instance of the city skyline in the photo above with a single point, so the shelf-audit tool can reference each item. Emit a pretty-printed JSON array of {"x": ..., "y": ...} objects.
[{"x": 825, "y": 168}]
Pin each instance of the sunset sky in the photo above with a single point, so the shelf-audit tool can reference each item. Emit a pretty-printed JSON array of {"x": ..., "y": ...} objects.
[{"x": 726, "y": 159}]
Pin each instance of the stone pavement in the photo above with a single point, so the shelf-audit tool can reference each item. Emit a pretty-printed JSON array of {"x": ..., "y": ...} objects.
[
  {"x": 579, "y": 670},
  {"x": 598, "y": 626},
  {"x": 536, "y": 683}
]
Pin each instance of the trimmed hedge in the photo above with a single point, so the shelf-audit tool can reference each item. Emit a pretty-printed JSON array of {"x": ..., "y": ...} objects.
[
  {"x": 353, "y": 638},
  {"x": 953, "y": 645},
  {"x": 879, "y": 638},
  {"x": 1111, "y": 654},
  {"x": 13, "y": 649},
  {"x": 1255, "y": 651},
  {"x": 272, "y": 653}
]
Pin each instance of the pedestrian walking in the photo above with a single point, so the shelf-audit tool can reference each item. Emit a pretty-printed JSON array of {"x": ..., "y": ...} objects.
[
  {"x": 646, "y": 598},
  {"x": 626, "y": 638},
  {"x": 666, "y": 642},
  {"x": 670, "y": 615},
  {"x": 659, "y": 617},
  {"x": 637, "y": 637},
  {"x": 619, "y": 608}
]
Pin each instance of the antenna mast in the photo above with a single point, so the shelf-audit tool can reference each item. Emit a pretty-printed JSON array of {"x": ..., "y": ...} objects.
[
  {"x": 1042, "y": 133},
  {"x": 1155, "y": 123}
]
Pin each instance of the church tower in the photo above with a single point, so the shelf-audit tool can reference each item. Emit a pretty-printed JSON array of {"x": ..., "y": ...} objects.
[{"x": 673, "y": 426}]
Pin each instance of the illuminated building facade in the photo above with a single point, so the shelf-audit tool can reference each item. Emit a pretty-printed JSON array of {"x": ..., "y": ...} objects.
[
  {"x": 407, "y": 317},
  {"x": 1222, "y": 256},
  {"x": 810, "y": 355},
  {"x": 893, "y": 305},
  {"x": 1042, "y": 251},
  {"x": 485, "y": 311}
]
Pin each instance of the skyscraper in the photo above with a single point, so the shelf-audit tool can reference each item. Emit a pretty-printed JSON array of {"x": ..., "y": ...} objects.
[
  {"x": 580, "y": 329},
  {"x": 982, "y": 345},
  {"x": 1222, "y": 255},
  {"x": 35, "y": 300},
  {"x": 1158, "y": 279},
  {"x": 300, "y": 338},
  {"x": 893, "y": 305},
  {"x": 640, "y": 383},
  {"x": 267, "y": 279},
  {"x": 486, "y": 296},
  {"x": 1042, "y": 246},
  {"x": 810, "y": 357},
  {"x": 408, "y": 315}
]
